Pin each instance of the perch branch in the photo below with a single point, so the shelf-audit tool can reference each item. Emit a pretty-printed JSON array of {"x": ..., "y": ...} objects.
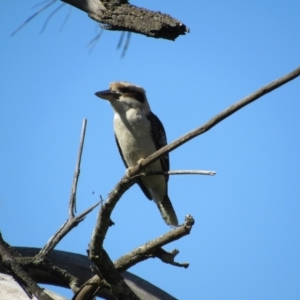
[{"x": 216, "y": 119}]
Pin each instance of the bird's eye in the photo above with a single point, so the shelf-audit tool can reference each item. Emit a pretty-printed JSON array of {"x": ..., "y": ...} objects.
[{"x": 124, "y": 90}]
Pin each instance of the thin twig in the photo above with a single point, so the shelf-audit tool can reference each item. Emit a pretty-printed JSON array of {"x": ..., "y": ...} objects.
[
  {"x": 73, "y": 221},
  {"x": 126, "y": 44},
  {"x": 50, "y": 16},
  {"x": 33, "y": 16},
  {"x": 72, "y": 203},
  {"x": 93, "y": 42},
  {"x": 66, "y": 19},
  {"x": 180, "y": 172},
  {"x": 64, "y": 230}
]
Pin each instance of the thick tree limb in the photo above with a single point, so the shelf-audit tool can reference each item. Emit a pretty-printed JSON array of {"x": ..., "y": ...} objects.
[
  {"x": 117, "y": 284},
  {"x": 89, "y": 290},
  {"x": 79, "y": 266},
  {"x": 121, "y": 16}
]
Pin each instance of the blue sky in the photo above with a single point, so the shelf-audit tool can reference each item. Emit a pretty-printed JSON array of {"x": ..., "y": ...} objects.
[{"x": 246, "y": 240}]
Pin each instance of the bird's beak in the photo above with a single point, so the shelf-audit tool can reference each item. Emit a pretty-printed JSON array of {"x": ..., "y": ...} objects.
[{"x": 108, "y": 95}]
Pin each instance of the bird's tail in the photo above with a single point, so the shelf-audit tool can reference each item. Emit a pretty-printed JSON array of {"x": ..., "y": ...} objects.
[{"x": 167, "y": 211}]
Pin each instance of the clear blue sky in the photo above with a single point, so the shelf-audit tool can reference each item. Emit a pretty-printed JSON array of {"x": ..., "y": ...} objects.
[{"x": 246, "y": 240}]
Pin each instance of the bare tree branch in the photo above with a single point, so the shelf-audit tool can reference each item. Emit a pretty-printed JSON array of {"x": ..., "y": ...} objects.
[
  {"x": 72, "y": 203},
  {"x": 153, "y": 248},
  {"x": 89, "y": 290},
  {"x": 121, "y": 16},
  {"x": 78, "y": 266},
  {"x": 216, "y": 119},
  {"x": 64, "y": 230},
  {"x": 117, "y": 284},
  {"x": 73, "y": 221},
  {"x": 180, "y": 172}
]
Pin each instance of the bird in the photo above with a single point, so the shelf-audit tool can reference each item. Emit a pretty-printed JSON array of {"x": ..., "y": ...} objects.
[{"x": 139, "y": 133}]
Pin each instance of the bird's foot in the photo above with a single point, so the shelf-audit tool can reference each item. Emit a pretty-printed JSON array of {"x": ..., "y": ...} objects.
[{"x": 130, "y": 170}]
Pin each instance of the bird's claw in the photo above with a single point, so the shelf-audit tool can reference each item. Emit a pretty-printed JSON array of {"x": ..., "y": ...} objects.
[{"x": 129, "y": 170}]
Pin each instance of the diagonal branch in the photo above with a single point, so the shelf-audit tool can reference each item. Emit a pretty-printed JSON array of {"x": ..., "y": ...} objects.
[{"x": 216, "y": 119}]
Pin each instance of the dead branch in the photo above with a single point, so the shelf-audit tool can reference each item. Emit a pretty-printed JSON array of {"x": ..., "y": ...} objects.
[
  {"x": 121, "y": 16},
  {"x": 73, "y": 221},
  {"x": 153, "y": 248},
  {"x": 72, "y": 203},
  {"x": 89, "y": 290},
  {"x": 216, "y": 119},
  {"x": 117, "y": 284},
  {"x": 78, "y": 266}
]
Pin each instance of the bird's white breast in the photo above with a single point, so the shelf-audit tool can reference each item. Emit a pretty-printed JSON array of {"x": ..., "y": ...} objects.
[{"x": 133, "y": 131}]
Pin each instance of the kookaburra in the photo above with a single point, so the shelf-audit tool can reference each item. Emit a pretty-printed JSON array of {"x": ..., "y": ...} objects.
[{"x": 138, "y": 134}]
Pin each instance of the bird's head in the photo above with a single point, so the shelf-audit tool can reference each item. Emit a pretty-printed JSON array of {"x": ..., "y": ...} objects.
[{"x": 124, "y": 96}]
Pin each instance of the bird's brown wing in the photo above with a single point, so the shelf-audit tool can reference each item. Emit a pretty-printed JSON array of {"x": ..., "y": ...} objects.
[{"x": 160, "y": 140}]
